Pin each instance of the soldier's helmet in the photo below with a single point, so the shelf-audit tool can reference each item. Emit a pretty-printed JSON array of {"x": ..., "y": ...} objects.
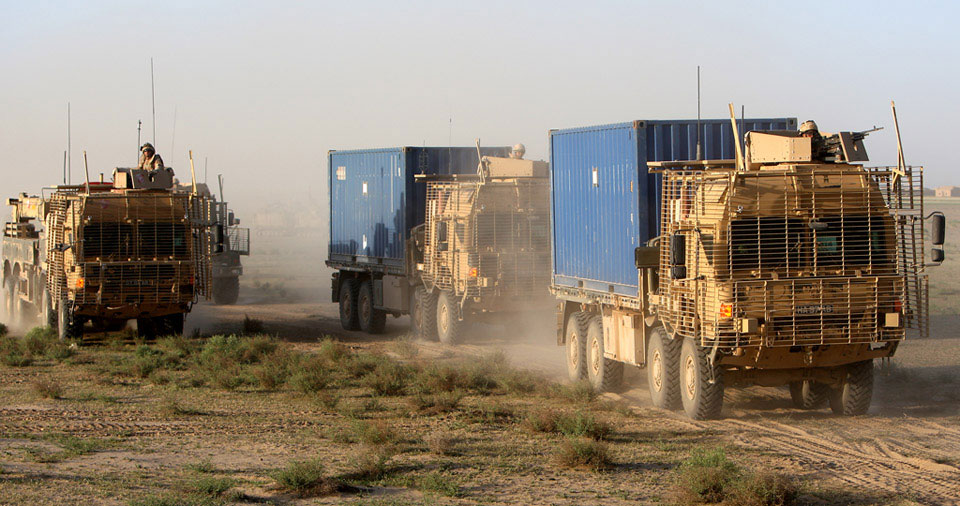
[
  {"x": 147, "y": 146},
  {"x": 518, "y": 151},
  {"x": 809, "y": 126}
]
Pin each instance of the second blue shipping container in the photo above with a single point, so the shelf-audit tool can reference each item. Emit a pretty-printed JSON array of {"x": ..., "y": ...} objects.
[
  {"x": 604, "y": 202},
  {"x": 374, "y": 200}
]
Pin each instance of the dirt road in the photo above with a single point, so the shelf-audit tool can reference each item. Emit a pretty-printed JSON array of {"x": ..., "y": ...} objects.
[{"x": 908, "y": 446}]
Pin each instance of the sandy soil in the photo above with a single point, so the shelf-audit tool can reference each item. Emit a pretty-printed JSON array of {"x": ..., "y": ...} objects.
[{"x": 908, "y": 445}]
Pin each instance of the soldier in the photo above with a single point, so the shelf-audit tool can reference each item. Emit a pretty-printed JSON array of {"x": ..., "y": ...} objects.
[
  {"x": 149, "y": 159},
  {"x": 809, "y": 129},
  {"x": 518, "y": 151}
]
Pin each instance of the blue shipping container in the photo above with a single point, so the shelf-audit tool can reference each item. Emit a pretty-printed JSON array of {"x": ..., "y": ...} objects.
[
  {"x": 604, "y": 202},
  {"x": 374, "y": 201}
]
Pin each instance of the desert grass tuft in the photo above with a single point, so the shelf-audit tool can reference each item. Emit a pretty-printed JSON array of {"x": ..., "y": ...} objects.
[
  {"x": 584, "y": 453},
  {"x": 439, "y": 483},
  {"x": 705, "y": 477},
  {"x": 306, "y": 478},
  {"x": 48, "y": 388}
]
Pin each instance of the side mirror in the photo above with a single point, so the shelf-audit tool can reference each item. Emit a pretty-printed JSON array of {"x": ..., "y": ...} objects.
[
  {"x": 937, "y": 255},
  {"x": 939, "y": 228},
  {"x": 678, "y": 256}
]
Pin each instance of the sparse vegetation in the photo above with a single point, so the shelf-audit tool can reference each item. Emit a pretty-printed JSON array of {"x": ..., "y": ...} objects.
[
  {"x": 586, "y": 453},
  {"x": 212, "y": 486},
  {"x": 705, "y": 477},
  {"x": 371, "y": 463},
  {"x": 305, "y": 478},
  {"x": 48, "y": 388}
]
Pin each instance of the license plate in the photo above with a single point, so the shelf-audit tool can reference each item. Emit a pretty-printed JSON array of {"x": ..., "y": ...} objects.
[{"x": 815, "y": 309}]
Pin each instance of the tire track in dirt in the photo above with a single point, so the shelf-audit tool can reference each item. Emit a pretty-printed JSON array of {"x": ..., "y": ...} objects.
[{"x": 877, "y": 464}]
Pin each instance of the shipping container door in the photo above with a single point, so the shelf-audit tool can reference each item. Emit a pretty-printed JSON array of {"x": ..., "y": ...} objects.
[{"x": 598, "y": 171}]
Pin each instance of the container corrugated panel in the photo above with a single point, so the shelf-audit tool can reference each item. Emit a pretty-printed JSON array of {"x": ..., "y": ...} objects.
[
  {"x": 374, "y": 200},
  {"x": 604, "y": 202}
]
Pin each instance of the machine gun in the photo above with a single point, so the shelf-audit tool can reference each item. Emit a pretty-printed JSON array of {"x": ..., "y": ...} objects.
[{"x": 842, "y": 147}]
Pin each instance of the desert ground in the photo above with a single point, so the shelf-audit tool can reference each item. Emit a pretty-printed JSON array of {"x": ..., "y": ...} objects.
[{"x": 300, "y": 419}]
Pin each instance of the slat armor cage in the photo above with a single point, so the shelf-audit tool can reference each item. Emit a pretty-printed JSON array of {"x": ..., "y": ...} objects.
[
  {"x": 800, "y": 255},
  {"x": 488, "y": 238},
  {"x": 131, "y": 248}
]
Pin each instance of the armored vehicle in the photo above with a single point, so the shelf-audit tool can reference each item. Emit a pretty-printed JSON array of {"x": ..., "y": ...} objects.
[
  {"x": 234, "y": 242},
  {"x": 106, "y": 253},
  {"x": 791, "y": 264},
  {"x": 486, "y": 247}
]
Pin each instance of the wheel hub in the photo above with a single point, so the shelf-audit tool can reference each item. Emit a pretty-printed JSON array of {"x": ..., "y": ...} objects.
[
  {"x": 442, "y": 316},
  {"x": 595, "y": 355},
  {"x": 656, "y": 370},
  {"x": 690, "y": 377},
  {"x": 572, "y": 354}
]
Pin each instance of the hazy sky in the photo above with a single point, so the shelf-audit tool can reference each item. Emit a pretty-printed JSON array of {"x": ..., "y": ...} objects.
[{"x": 264, "y": 89}]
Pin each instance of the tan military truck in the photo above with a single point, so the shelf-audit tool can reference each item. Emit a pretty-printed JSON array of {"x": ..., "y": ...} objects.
[
  {"x": 105, "y": 253},
  {"x": 485, "y": 247},
  {"x": 792, "y": 264}
]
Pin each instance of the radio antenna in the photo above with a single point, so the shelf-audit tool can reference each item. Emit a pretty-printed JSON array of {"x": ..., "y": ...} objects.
[
  {"x": 64, "y": 167},
  {"x": 699, "y": 145},
  {"x": 69, "y": 179},
  {"x": 153, "y": 103},
  {"x": 139, "y": 124}
]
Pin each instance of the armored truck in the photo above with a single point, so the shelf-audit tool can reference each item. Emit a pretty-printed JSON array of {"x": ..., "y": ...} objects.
[
  {"x": 486, "y": 247},
  {"x": 443, "y": 234},
  {"x": 105, "y": 253},
  {"x": 233, "y": 243},
  {"x": 791, "y": 264}
]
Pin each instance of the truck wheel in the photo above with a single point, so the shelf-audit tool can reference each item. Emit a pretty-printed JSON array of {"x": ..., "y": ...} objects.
[
  {"x": 48, "y": 316},
  {"x": 69, "y": 326},
  {"x": 147, "y": 328},
  {"x": 11, "y": 302},
  {"x": 853, "y": 397},
  {"x": 603, "y": 373},
  {"x": 449, "y": 325},
  {"x": 371, "y": 319},
  {"x": 663, "y": 369},
  {"x": 702, "y": 395},
  {"x": 226, "y": 291},
  {"x": 348, "y": 304},
  {"x": 169, "y": 325},
  {"x": 425, "y": 314},
  {"x": 576, "y": 341},
  {"x": 808, "y": 394}
]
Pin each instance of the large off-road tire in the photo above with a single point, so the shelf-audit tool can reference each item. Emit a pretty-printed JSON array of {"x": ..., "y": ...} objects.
[
  {"x": 576, "y": 345},
  {"x": 48, "y": 316},
  {"x": 371, "y": 319},
  {"x": 450, "y": 325},
  {"x": 226, "y": 291},
  {"x": 809, "y": 394},
  {"x": 11, "y": 302},
  {"x": 349, "y": 291},
  {"x": 69, "y": 325},
  {"x": 700, "y": 390},
  {"x": 147, "y": 328},
  {"x": 169, "y": 325},
  {"x": 663, "y": 369},
  {"x": 424, "y": 314},
  {"x": 603, "y": 373},
  {"x": 854, "y": 396}
]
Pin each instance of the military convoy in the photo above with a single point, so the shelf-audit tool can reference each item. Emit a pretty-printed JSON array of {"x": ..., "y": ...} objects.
[
  {"x": 448, "y": 235},
  {"x": 791, "y": 264},
  {"x": 105, "y": 253}
]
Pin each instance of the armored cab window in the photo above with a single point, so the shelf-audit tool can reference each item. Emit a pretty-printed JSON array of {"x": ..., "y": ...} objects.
[
  {"x": 852, "y": 241},
  {"x": 162, "y": 240},
  {"x": 768, "y": 242},
  {"x": 107, "y": 240}
]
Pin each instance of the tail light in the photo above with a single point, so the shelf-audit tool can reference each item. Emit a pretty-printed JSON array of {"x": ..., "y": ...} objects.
[
  {"x": 473, "y": 272},
  {"x": 80, "y": 283},
  {"x": 726, "y": 311},
  {"x": 897, "y": 306}
]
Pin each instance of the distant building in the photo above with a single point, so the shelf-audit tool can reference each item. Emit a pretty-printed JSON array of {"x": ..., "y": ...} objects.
[
  {"x": 948, "y": 191},
  {"x": 929, "y": 192}
]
